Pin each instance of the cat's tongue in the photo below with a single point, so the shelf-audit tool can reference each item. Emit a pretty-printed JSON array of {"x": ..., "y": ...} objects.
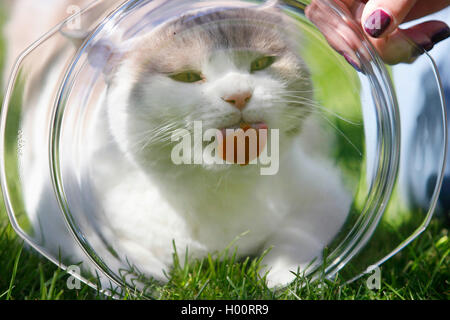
[{"x": 243, "y": 145}]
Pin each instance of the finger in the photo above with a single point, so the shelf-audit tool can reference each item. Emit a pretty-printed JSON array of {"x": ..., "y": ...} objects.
[
  {"x": 426, "y": 35},
  {"x": 406, "y": 45},
  {"x": 382, "y": 17},
  {"x": 339, "y": 35}
]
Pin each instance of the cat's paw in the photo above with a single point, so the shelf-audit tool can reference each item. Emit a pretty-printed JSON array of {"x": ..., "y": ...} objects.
[
  {"x": 277, "y": 279},
  {"x": 281, "y": 274}
]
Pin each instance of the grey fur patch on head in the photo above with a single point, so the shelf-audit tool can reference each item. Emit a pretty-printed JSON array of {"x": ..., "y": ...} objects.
[{"x": 186, "y": 41}]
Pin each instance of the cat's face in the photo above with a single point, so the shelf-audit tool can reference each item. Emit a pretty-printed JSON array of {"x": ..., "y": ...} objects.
[{"x": 222, "y": 69}]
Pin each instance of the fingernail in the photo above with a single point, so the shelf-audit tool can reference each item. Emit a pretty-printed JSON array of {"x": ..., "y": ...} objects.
[
  {"x": 351, "y": 61},
  {"x": 427, "y": 46},
  {"x": 377, "y": 23},
  {"x": 441, "y": 35}
]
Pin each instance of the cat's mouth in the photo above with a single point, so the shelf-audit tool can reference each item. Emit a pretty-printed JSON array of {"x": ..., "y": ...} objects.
[
  {"x": 244, "y": 126},
  {"x": 236, "y": 146}
]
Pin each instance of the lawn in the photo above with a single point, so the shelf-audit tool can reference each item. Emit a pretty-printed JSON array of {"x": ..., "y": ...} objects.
[{"x": 420, "y": 271}]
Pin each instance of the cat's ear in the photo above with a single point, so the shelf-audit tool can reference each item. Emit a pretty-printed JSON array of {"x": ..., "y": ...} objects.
[
  {"x": 105, "y": 57},
  {"x": 103, "y": 54}
]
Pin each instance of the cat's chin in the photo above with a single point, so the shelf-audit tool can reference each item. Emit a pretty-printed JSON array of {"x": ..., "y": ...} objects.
[{"x": 228, "y": 168}]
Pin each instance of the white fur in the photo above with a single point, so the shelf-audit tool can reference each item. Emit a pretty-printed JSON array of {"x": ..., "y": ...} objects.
[{"x": 298, "y": 211}]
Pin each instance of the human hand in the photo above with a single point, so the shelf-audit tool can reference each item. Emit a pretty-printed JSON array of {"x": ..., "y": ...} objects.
[{"x": 380, "y": 20}]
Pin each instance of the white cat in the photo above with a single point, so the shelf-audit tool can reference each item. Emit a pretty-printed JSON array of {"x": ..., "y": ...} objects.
[{"x": 201, "y": 67}]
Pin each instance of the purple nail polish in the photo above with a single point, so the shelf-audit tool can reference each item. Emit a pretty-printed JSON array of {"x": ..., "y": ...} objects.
[
  {"x": 377, "y": 23},
  {"x": 351, "y": 61},
  {"x": 441, "y": 35},
  {"x": 427, "y": 46}
]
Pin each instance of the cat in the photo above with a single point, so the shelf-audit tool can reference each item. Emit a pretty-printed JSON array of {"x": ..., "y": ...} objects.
[{"x": 201, "y": 67}]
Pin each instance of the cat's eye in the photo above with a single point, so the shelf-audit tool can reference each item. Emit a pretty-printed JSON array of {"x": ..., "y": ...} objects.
[
  {"x": 187, "y": 76},
  {"x": 262, "y": 63}
]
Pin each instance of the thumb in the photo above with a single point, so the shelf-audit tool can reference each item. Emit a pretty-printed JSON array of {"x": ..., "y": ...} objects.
[{"x": 382, "y": 17}]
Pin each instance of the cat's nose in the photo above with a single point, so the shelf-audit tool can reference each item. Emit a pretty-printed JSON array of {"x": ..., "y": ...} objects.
[{"x": 239, "y": 99}]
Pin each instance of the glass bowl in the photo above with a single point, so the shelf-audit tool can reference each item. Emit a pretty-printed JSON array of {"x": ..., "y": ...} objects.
[{"x": 65, "y": 175}]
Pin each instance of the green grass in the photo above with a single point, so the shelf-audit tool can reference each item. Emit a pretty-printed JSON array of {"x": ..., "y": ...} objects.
[{"x": 420, "y": 271}]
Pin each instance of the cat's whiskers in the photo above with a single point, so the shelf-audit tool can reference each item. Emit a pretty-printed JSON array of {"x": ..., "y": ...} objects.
[
  {"x": 163, "y": 132},
  {"x": 282, "y": 92},
  {"x": 300, "y": 98},
  {"x": 160, "y": 134},
  {"x": 313, "y": 106},
  {"x": 343, "y": 135}
]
